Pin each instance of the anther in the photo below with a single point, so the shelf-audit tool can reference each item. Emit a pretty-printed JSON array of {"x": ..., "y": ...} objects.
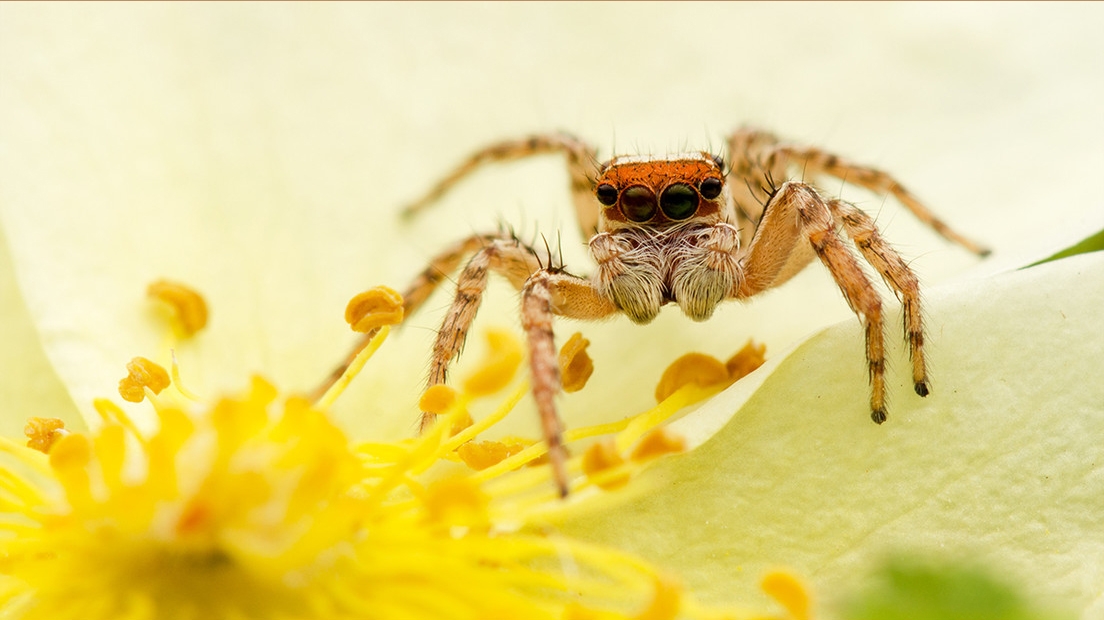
[
  {"x": 575, "y": 365},
  {"x": 747, "y": 359},
  {"x": 600, "y": 462},
  {"x": 373, "y": 309},
  {"x": 143, "y": 374},
  {"x": 188, "y": 306},
  {"x": 504, "y": 356},
  {"x": 698, "y": 368},
  {"x": 657, "y": 443},
  {"x": 437, "y": 399},
  {"x": 42, "y": 433}
]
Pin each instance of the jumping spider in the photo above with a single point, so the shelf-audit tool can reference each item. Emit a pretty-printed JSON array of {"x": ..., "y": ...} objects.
[{"x": 685, "y": 229}]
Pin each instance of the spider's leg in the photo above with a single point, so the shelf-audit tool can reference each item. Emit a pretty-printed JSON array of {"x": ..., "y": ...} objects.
[
  {"x": 415, "y": 295},
  {"x": 581, "y": 166},
  {"x": 897, "y": 275},
  {"x": 815, "y": 161},
  {"x": 752, "y": 169},
  {"x": 549, "y": 292},
  {"x": 797, "y": 212},
  {"x": 507, "y": 257}
]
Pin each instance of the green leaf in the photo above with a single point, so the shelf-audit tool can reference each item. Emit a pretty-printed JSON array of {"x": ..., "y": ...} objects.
[
  {"x": 908, "y": 588},
  {"x": 1092, "y": 243}
]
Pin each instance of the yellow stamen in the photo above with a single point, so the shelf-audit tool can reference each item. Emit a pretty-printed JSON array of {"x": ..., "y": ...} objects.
[
  {"x": 188, "y": 307},
  {"x": 373, "y": 309},
  {"x": 258, "y": 506},
  {"x": 483, "y": 454},
  {"x": 113, "y": 414},
  {"x": 185, "y": 392},
  {"x": 457, "y": 501},
  {"x": 504, "y": 355},
  {"x": 69, "y": 459},
  {"x": 437, "y": 399},
  {"x": 43, "y": 432},
  {"x": 658, "y": 442},
  {"x": 143, "y": 374},
  {"x": 789, "y": 592},
  {"x": 696, "y": 368},
  {"x": 747, "y": 359},
  {"x": 575, "y": 365},
  {"x": 603, "y": 465},
  {"x": 353, "y": 369},
  {"x": 488, "y": 421}
]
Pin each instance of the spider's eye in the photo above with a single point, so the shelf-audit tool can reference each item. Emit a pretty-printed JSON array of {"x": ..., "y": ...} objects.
[
  {"x": 710, "y": 188},
  {"x": 607, "y": 194},
  {"x": 717, "y": 159},
  {"x": 679, "y": 201},
  {"x": 638, "y": 203}
]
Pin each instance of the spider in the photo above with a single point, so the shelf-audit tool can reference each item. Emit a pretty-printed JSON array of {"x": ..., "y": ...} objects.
[{"x": 687, "y": 229}]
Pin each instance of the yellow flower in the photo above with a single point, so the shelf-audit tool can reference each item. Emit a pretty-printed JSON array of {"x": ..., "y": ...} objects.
[{"x": 258, "y": 506}]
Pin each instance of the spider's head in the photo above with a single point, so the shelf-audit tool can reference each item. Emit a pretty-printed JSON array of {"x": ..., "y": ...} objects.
[{"x": 660, "y": 192}]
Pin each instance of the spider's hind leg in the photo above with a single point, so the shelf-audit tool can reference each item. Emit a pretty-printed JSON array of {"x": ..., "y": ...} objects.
[
  {"x": 755, "y": 153},
  {"x": 581, "y": 167}
]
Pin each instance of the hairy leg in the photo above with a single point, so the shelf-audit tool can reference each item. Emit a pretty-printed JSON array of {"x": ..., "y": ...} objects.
[
  {"x": 507, "y": 257},
  {"x": 550, "y": 292},
  {"x": 423, "y": 285},
  {"x": 797, "y": 214},
  {"x": 897, "y": 275},
  {"x": 760, "y": 156},
  {"x": 581, "y": 166}
]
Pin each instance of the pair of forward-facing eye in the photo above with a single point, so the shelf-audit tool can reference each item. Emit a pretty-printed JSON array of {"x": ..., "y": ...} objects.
[{"x": 678, "y": 201}]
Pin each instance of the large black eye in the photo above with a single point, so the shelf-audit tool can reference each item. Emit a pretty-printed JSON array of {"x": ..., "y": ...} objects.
[
  {"x": 638, "y": 203},
  {"x": 607, "y": 194},
  {"x": 679, "y": 201},
  {"x": 710, "y": 188}
]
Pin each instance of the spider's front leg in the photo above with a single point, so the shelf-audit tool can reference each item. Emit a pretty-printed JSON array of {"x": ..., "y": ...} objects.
[
  {"x": 796, "y": 220},
  {"x": 550, "y": 292},
  {"x": 505, "y": 256},
  {"x": 414, "y": 296}
]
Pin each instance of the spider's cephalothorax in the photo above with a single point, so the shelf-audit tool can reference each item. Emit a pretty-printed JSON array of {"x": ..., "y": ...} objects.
[
  {"x": 665, "y": 235},
  {"x": 680, "y": 229}
]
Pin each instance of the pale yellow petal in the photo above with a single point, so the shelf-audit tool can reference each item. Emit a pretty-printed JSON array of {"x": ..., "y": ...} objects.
[
  {"x": 1000, "y": 465},
  {"x": 29, "y": 387}
]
